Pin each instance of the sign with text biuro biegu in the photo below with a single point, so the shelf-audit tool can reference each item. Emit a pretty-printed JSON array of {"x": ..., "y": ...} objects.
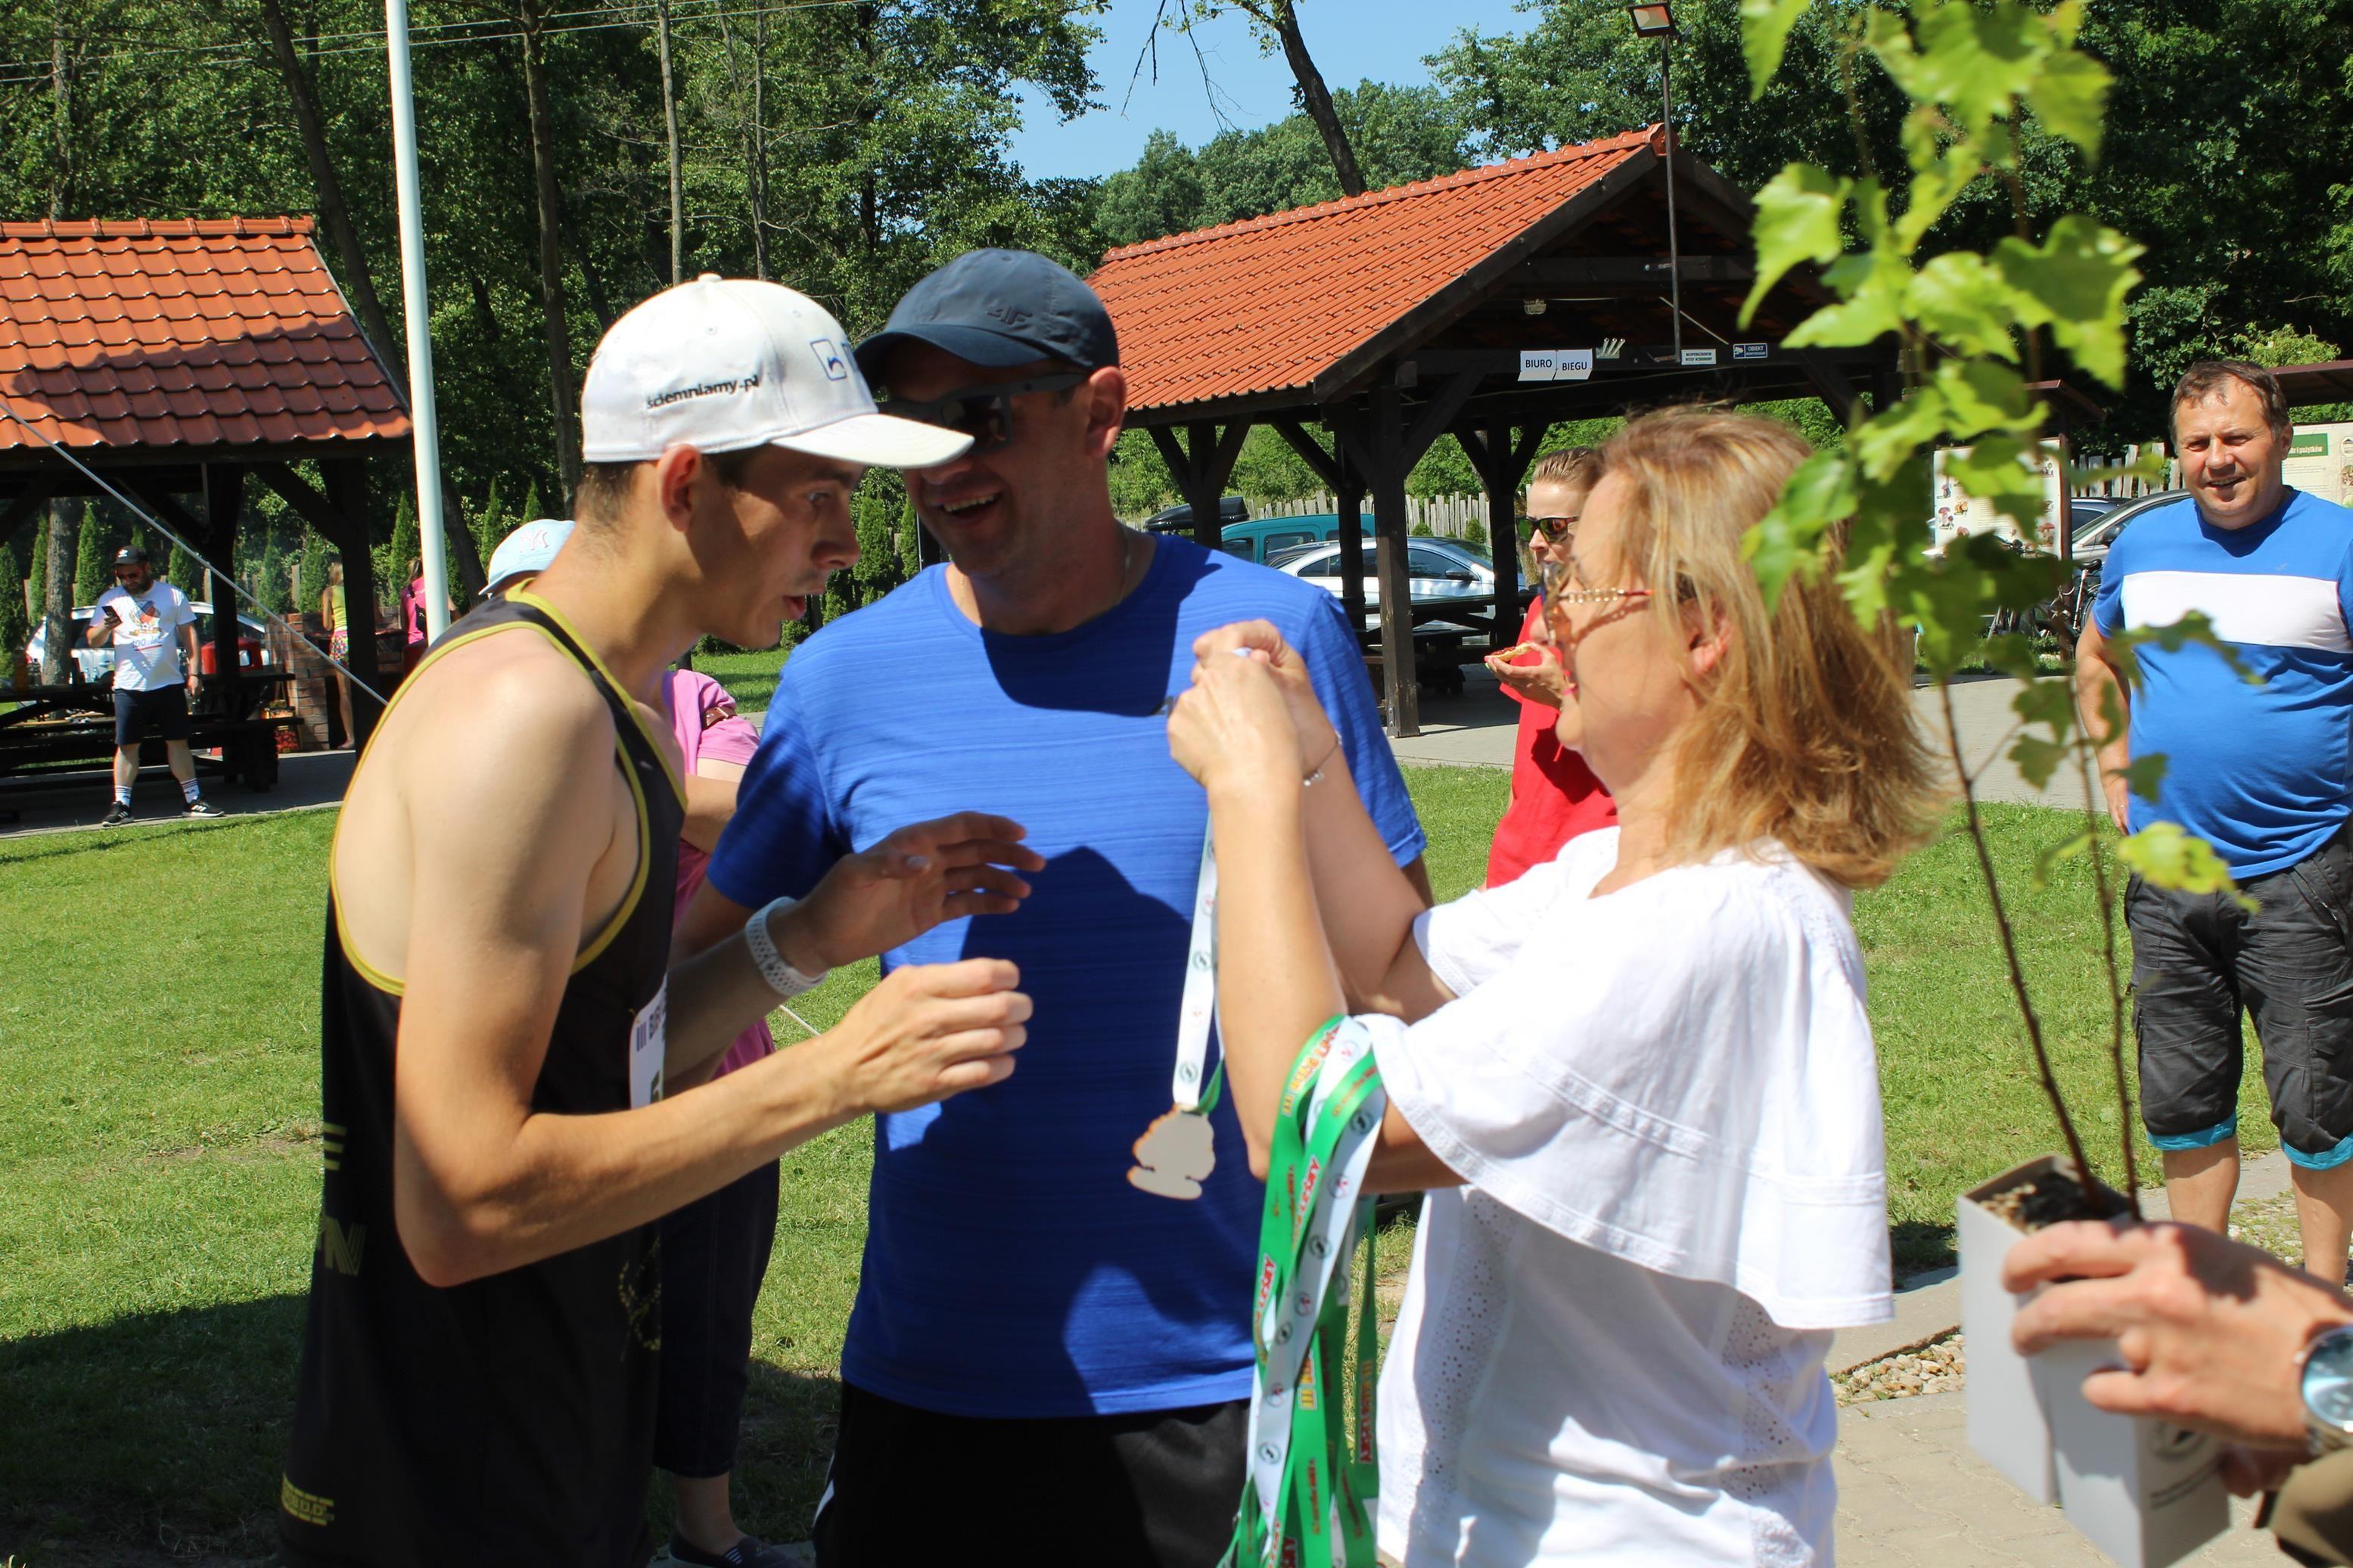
[
  {"x": 1960, "y": 515},
  {"x": 2320, "y": 462}
]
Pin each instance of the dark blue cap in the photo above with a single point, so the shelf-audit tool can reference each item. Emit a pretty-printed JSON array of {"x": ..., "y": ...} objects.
[{"x": 999, "y": 308}]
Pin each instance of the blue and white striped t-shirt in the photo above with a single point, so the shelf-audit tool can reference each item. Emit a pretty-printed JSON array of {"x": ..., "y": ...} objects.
[{"x": 2264, "y": 774}]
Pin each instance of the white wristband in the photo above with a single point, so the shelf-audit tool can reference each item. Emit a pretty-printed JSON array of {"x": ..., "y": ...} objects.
[{"x": 782, "y": 977}]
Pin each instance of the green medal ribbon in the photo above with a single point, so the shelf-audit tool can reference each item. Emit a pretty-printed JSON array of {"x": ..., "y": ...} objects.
[{"x": 1305, "y": 1503}]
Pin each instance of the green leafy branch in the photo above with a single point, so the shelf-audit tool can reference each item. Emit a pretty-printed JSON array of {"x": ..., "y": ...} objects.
[{"x": 1971, "y": 330}]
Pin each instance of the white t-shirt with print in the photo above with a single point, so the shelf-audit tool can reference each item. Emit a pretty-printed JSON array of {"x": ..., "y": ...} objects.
[
  {"x": 147, "y": 638},
  {"x": 1666, "y": 1106}
]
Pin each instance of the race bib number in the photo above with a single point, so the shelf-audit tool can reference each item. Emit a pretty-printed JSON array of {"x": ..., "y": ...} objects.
[{"x": 649, "y": 1040}]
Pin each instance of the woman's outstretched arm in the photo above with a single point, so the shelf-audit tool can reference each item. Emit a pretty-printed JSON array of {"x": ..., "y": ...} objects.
[
  {"x": 1367, "y": 904},
  {"x": 1276, "y": 979}
]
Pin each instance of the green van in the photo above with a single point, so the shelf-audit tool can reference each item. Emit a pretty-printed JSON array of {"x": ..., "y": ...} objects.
[{"x": 1264, "y": 538}]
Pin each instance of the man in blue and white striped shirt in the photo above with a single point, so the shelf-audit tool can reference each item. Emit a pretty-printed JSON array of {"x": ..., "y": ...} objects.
[{"x": 2262, "y": 771}]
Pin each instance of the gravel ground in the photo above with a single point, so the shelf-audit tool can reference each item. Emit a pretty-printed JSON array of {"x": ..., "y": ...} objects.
[{"x": 1935, "y": 1367}]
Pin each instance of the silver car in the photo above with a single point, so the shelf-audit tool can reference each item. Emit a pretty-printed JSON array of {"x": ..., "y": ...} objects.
[{"x": 1440, "y": 569}]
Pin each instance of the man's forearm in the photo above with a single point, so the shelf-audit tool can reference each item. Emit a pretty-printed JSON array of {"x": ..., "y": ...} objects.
[
  {"x": 1275, "y": 976},
  {"x": 720, "y": 991},
  {"x": 574, "y": 1180},
  {"x": 2096, "y": 680}
]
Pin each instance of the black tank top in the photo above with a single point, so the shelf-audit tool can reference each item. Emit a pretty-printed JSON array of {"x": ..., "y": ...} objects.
[{"x": 508, "y": 1419}]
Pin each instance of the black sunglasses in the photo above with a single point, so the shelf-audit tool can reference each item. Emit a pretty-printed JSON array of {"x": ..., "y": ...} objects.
[
  {"x": 1554, "y": 527},
  {"x": 983, "y": 413}
]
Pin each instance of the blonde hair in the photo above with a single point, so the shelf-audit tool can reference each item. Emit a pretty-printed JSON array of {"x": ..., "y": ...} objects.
[
  {"x": 1805, "y": 733},
  {"x": 1579, "y": 467}
]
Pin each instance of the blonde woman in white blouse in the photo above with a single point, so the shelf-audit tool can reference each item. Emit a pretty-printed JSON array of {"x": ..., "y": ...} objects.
[{"x": 1638, "y": 1083}]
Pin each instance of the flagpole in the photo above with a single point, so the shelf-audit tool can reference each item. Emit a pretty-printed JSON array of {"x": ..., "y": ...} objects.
[{"x": 427, "y": 438}]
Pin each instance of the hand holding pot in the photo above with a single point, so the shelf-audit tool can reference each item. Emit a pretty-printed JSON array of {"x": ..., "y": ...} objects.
[{"x": 2211, "y": 1333}]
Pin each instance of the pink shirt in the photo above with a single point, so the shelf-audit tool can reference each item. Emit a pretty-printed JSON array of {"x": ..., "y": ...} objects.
[{"x": 702, "y": 716}]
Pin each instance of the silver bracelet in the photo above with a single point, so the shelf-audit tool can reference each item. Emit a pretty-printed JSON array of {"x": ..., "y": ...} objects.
[{"x": 782, "y": 977}]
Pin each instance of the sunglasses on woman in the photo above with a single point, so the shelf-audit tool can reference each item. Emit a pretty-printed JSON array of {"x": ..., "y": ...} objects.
[
  {"x": 983, "y": 413},
  {"x": 1554, "y": 529}
]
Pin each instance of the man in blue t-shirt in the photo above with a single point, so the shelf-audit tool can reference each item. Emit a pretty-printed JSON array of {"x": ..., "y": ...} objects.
[
  {"x": 1048, "y": 1360},
  {"x": 2260, "y": 771}
]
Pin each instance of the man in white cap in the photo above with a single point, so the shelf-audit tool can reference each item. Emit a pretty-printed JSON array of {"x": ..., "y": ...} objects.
[
  {"x": 524, "y": 554},
  {"x": 499, "y": 1020}
]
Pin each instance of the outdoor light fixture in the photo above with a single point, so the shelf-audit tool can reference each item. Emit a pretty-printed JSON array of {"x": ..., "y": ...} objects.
[
  {"x": 1533, "y": 306},
  {"x": 1659, "y": 22}
]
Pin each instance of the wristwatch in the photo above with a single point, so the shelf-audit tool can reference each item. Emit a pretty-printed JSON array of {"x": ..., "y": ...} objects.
[{"x": 2326, "y": 1381}]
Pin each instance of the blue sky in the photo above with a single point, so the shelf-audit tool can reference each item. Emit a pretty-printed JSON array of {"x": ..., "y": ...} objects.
[{"x": 1351, "y": 40}]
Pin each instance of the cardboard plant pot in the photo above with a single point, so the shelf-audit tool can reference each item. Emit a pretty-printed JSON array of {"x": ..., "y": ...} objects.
[{"x": 2146, "y": 1492}]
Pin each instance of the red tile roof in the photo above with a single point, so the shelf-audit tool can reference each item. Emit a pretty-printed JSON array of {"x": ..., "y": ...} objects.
[
  {"x": 1272, "y": 304},
  {"x": 186, "y": 332}
]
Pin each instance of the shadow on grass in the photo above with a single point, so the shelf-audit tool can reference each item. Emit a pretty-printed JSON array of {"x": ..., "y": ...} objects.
[
  {"x": 158, "y": 1438},
  {"x": 1919, "y": 1246},
  {"x": 56, "y": 845},
  {"x": 152, "y": 1437}
]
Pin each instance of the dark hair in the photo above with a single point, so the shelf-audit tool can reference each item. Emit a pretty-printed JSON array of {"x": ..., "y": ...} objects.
[
  {"x": 2211, "y": 377},
  {"x": 604, "y": 488}
]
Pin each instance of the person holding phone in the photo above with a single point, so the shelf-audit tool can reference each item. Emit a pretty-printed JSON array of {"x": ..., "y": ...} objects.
[{"x": 149, "y": 623}]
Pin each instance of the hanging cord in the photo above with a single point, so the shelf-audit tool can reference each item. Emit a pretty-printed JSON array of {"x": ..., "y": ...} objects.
[{"x": 152, "y": 520}]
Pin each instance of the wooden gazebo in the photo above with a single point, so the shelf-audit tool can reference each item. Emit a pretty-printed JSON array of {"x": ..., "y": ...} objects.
[
  {"x": 1485, "y": 306},
  {"x": 180, "y": 358}
]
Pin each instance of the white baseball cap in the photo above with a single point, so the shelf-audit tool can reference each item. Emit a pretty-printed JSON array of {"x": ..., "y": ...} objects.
[
  {"x": 526, "y": 552},
  {"x": 723, "y": 363}
]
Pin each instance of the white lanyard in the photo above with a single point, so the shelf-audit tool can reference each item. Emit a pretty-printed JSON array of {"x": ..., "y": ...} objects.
[{"x": 1199, "y": 1009}]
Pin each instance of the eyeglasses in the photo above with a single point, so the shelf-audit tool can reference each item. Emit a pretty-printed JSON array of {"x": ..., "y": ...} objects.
[
  {"x": 1555, "y": 529},
  {"x": 1555, "y": 579},
  {"x": 983, "y": 413}
]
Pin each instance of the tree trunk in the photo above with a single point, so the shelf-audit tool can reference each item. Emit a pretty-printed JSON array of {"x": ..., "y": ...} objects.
[
  {"x": 57, "y": 594},
  {"x": 1313, "y": 96},
  {"x": 56, "y": 573},
  {"x": 759, "y": 160},
  {"x": 561, "y": 396},
  {"x": 358, "y": 282},
  {"x": 61, "y": 113},
  {"x": 670, "y": 125}
]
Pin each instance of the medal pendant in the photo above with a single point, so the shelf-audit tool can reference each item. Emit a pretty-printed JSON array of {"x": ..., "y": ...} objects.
[{"x": 1176, "y": 1154}]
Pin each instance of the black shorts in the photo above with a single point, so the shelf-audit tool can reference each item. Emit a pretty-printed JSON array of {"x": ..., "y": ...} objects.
[
  {"x": 1156, "y": 1489},
  {"x": 714, "y": 1253},
  {"x": 2199, "y": 961},
  {"x": 166, "y": 706}
]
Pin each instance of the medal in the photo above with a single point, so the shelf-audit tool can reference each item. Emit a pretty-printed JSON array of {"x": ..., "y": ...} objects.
[{"x": 1178, "y": 1151}]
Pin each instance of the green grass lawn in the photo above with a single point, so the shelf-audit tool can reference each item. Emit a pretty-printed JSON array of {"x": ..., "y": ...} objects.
[
  {"x": 749, "y": 677},
  {"x": 159, "y": 1156}
]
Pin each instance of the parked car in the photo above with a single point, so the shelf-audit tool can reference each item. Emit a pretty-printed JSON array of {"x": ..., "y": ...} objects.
[
  {"x": 2063, "y": 617},
  {"x": 1440, "y": 569},
  {"x": 1263, "y": 539},
  {"x": 1179, "y": 519},
  {"x": 96, "y": 664}
]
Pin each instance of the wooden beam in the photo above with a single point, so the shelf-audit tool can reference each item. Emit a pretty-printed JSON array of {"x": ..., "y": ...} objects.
[
  {"x": 1606, "y": 271},
  {"x": 224, "y": 498},
  {"x": 20, "y": 509},
  {"x": 307, "y": 503},
  {"x": 346, "y": 486},
  {"x": 1832, "y": 384},
  {"x": 1387, "y": 469},
  {"x": 1327, "y": 464},
  {"x": 1431, "y": 420}
]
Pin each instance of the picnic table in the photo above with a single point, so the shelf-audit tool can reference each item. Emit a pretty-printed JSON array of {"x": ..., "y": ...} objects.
[{"x": 64, "y": 729}]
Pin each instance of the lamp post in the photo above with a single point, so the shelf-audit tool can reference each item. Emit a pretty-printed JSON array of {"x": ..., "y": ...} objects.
[{"x": 1659, "y": 22}]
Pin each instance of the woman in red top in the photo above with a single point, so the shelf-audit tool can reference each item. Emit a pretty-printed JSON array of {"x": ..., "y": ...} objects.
[{"x": 1554, "y": 796}]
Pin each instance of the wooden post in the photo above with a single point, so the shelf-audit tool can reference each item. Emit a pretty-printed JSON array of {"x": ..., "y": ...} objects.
[
  {"x": 345, "y": 481},
  {"x": 1385, "y": 449},
  {"x": 224, "y": 485}
]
